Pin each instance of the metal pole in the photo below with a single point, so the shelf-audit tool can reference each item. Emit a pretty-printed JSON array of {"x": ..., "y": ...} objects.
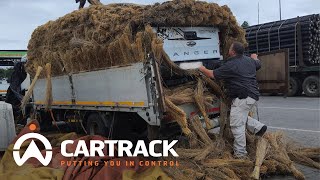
[
  {"x": 280, "y": 9},
  {"x": 258, "y": 12}
]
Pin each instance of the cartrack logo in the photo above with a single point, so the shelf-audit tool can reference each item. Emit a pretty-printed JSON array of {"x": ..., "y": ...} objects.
[
  {"x": 96, "y": 147},
  {"x": 32, "y": 150}
]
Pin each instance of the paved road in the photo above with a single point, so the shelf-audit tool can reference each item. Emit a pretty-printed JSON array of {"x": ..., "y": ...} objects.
[{"x": 299, "y": 117}]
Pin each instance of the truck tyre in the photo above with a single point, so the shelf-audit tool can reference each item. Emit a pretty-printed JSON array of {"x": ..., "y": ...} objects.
[
  {"x": 311, "y": 86},
  {"x": 294, "y": 87},
  {"x": 95, "y": 125}
]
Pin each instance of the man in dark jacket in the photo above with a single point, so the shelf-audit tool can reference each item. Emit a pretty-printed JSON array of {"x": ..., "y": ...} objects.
[
  {"x": 83, "y": 2},
  {"x": 239, "y": 75}
]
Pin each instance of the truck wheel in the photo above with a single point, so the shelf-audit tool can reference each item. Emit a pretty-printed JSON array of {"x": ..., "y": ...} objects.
[
  {"x": 294, "y": 87},
  {"x": 311, "y": 86},
  {"x": 153, "y": 132},
  {"x": 95, "y": 125}
]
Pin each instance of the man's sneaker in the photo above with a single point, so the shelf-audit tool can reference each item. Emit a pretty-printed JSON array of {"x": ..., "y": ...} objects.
[
  {"x": 242, "y": 157},
  {"x": 262, "y": 131}
]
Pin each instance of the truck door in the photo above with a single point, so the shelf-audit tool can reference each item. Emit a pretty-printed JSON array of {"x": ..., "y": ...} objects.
[{"x": 273, "y": 77}]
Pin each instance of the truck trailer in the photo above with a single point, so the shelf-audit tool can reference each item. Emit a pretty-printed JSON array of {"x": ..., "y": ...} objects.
[{"x": 301, "y": 37}]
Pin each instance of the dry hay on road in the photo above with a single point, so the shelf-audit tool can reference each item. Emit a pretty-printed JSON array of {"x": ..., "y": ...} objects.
[{"x": 270, "y": 155}]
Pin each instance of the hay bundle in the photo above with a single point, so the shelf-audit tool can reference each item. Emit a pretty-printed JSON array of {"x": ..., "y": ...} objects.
[
  {"x": 230, "y": 173},
  {"x": 188, "y": 153},
  {"x": 178, "y": 175},
  {"x": 184, "y": 94},
  {"x": 213, "y": 163},
  {"x": 303, "y": 159},
  {"x": 179, "y": 115},
  {"x": 197, "y": 127},
  {"x": 102, "y": 36},
  {"x": 27, "y": 96},
  {"x": 217, "y": 174},
  {"x": 305, "y": 156},
  {"x": 261, "y": 152},
  {"x": 192, "y": 174},
  {"x": 198, "y": 97},
  {"x": 220, "y": 164},
  {"x": 280, "y": 154}
]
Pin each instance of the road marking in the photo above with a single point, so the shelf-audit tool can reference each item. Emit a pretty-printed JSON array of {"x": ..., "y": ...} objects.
[
  {"x": 290, "y": 129},
  {"x": 289, "y": 108}
]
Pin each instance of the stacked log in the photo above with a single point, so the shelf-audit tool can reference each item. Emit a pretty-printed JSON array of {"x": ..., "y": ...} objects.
[{"x": 286, "y": 34}]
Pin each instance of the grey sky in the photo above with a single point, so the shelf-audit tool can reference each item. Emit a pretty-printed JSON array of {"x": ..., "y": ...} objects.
[{"x": 20, "y": 17}]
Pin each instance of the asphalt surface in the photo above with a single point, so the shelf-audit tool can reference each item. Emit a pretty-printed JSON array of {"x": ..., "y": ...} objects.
[{"x": 299, "y": 118}]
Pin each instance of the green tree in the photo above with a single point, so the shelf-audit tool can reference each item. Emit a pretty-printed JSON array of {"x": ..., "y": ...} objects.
[
  {"x": 5, "y": 73},
  {"x": 245, "y": 24}
]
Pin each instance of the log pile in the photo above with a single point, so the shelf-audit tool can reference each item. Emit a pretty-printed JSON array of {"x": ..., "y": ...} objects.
[{"x": 285, "y": 34}]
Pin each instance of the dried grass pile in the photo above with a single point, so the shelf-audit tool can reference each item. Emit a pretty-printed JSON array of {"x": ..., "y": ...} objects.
[
  {"x": 107, "y": 35},
  {"x": 269, "y": 155}
]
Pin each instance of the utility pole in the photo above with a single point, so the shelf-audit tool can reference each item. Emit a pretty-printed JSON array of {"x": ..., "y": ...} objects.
[
  {"x": 280, "y": 9},
  {"x": 258, "y": 12}
]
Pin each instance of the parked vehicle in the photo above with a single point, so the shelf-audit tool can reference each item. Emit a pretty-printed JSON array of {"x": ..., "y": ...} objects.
[
  {"x": 301, "y": 36},
  {"x": 3, "y": 89},
  {"x": 119, "y": 100}
]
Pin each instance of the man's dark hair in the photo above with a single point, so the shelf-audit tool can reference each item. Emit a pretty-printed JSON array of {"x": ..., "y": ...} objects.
[{"x": 238, "y": 48}]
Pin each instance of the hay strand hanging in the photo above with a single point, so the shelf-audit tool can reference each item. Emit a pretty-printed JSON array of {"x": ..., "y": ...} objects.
[
  {"x": 27, "y": 96},
  {"x": 262, "y": 147},
  {"x": 199, "y": 99},
  {"x": 179, "y": 115}
]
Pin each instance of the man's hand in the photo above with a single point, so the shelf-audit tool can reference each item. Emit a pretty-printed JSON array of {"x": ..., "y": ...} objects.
[
  {"x": 206, "y": 71},
  {"x": 202, "y": 69},
  {"x": 254, "y": 56},
  {"x": 257, "y": 61}
]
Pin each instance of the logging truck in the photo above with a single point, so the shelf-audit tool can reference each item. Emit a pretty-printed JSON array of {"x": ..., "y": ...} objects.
[{"x": 300, "y": 37}]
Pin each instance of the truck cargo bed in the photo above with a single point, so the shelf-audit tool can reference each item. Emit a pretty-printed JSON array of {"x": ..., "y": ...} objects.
[{"x": 129, "y": 88}]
